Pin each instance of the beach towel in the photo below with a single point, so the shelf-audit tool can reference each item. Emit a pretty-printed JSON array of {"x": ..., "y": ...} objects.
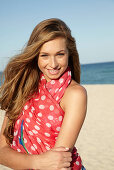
[{"x": 39, "y": 123}]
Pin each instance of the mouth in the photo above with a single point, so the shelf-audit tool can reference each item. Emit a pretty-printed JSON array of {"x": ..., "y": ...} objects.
[{"x": 53, "y": 71}]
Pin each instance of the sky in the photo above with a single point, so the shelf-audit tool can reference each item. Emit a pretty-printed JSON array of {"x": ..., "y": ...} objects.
[{"x": 91, "y": 23}]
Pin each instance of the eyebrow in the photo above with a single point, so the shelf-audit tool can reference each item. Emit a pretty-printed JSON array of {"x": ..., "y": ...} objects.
[{"x": 56, "y": 52}]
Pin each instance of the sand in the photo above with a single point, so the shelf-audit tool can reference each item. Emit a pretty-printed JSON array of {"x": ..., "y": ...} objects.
[{"x": 96, "y": 139}]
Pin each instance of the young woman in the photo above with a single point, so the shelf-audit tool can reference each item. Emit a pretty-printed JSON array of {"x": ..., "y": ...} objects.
[{"x": 44, "y": 102}]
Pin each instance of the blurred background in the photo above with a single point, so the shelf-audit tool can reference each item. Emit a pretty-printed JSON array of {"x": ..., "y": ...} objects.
[{"x": 91, "y": 23}]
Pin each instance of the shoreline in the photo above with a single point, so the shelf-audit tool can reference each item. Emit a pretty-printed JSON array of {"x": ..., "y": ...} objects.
[{"x": 96, "y": 138}]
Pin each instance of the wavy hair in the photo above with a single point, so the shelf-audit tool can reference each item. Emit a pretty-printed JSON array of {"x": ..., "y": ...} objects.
[{"x": 22, "y": 72}]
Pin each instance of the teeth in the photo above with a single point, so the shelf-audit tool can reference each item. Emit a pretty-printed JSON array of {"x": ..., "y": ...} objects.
[{"x": 53, "y": 71}]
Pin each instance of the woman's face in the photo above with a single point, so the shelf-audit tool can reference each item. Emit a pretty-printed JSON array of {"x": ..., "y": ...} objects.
[{"x": 53, "y": 58}]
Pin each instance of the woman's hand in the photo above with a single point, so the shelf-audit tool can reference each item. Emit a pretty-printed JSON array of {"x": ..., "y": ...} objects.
[{"x": 58, "y": 158}]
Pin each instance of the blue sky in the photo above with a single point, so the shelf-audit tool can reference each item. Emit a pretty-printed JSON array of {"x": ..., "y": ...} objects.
[{"x": 91, "y": 23}]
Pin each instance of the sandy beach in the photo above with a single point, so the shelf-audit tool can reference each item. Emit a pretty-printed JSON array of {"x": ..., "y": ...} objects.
[{"x": 95, "y": 143}]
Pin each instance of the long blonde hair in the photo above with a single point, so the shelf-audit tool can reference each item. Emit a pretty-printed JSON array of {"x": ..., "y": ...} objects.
[{"x": 22, "y": 72}]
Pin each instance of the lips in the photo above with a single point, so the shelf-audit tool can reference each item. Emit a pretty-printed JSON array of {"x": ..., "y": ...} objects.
[{"x": 53, "y": 71}]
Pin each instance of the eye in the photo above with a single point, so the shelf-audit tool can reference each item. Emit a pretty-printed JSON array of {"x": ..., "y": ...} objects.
[
  {"x": 60, "y": 54},
  {"x": 43, "y": 55}
]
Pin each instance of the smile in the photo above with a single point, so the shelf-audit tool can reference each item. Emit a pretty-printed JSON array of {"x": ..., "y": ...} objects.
[{"x": 53, "y": 71}]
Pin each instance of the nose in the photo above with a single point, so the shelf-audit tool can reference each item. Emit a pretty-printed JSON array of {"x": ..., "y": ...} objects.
[{"x": 53, "y": 62}]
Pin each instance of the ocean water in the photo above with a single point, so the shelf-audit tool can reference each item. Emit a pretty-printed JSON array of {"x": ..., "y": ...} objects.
[{"x": 97, "y": 73}]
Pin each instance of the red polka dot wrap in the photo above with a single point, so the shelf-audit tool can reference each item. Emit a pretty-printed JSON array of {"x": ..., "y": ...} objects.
[{"x": 39, "y": 123}]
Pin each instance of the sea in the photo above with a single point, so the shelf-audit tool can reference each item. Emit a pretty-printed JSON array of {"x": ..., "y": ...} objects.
[{"x": 95, "y": 73}]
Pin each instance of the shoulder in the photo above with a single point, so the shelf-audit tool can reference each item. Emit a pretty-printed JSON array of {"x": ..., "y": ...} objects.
[
  {"x": 74, "y": 93},
  {"x": 75, "y": 89}
]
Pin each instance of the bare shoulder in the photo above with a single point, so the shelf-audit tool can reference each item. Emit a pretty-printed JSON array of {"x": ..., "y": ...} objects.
[
  {"x": 74, "y": 92},
  {"x": 74, "y": 87}
]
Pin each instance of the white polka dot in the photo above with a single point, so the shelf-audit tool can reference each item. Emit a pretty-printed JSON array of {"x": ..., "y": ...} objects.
[
  {"x": 15, "y": 133},
  {"x": 26, "y": 107},
  {"x": 38, "y": 140},
  {"x": 25, "y": 141},
  {"x": 36, "y": 99},
  {"x": 40, "y": 114},
  {"x": 57, "y": 98},
  {"x": 38, "y": 123},
  {"x": 47, "y": 148},
  {"x": 32, "y": 109},
  {"x": 32, "y": 147},
  {"x": 36, "y": 127},
  {"x": 30, "y": 133},
  {"x": 18, "y": 121},
  {"x": 56, "y": 90},
  {"x": 60, "y": 89},
  {"x": 77, "y": 163},
  {"x": 42, "y": 78},
  {"x": 50, "y": 117},
  {"x": 69, "y": 73},
  {"x": 39, "y": 90},
  {"x": 61, "y": 80},
  {"x": 68, "y": 81},
  {"x": 47, "y": 134},
  {"x": 46, "y": 144},
  {"x": 30, "y": 114},
  {"x": 35, "y": 146},
  {"x": 18, "y": 150},
  {"x": 14, "y": 144},
  {"x": 48, "y": 124},
  {"x": 26, "y": 124},
  {"x": 34, "y": 131},
  {"x": 43, "y": 97},
  {"x": 51, "y": 107},
  {"x": 60, "y": 118},
  {"x": 41, "y": 107},
  {"x": 28, "y": 120},
  {"x": 49, "y": 90},
  {"x": 58, "y": 128},
  {"x": 52, "y": 81},
  {"x": 38, "y": 119},
  {"x": 23, "y": 128}
]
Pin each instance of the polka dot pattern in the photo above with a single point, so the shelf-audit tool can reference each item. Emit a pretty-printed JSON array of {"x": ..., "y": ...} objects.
[
  {"x": 41, "y": 107},
  {"x": 48, "y": 124},
  {"x": 47, "y": 134},
  {"x": 50, "y": 117},
  {"x": 40, "y": 114},
  {"x": 52, "y": 81},
  {"x": 37, "y": 127},
  {"x": 51, "y": 107},
  {"x": 28, "y": 120},
  {"x": 43, "y": 97},
  {"x": 58, "y": 128},
  {"x": 42, "y": 118},
  {"x": 15, "y": 133},
  {"x": 38, "y": 140},
  {"x": 60, "y": 118}
]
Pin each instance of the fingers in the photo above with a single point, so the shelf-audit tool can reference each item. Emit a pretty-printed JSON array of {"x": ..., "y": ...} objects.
[
  {"x": 68, "y": 159},
  {"x": 61, "y": 148}
]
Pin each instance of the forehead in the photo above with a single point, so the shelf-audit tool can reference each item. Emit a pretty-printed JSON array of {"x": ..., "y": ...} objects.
[{"x": 56, "y": 44}]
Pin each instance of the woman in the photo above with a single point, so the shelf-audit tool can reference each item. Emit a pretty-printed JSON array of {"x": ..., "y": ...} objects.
[{"x": 44, "y": 102}]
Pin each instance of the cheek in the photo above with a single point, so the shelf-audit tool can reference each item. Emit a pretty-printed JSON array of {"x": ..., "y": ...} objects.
[
  {"x": 65, "y": 61},
  {"x": 41, "y": 63}
]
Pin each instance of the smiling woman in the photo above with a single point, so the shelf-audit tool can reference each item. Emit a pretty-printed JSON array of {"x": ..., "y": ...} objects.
[
  {"x": 53, "y": 58},
  {"x": 44, "y": 102}
]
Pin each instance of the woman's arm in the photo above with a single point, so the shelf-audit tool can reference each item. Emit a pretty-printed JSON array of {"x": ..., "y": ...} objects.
[
  {"x": 74, "y": 103},
  {"x": 53, "y": 159}
]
